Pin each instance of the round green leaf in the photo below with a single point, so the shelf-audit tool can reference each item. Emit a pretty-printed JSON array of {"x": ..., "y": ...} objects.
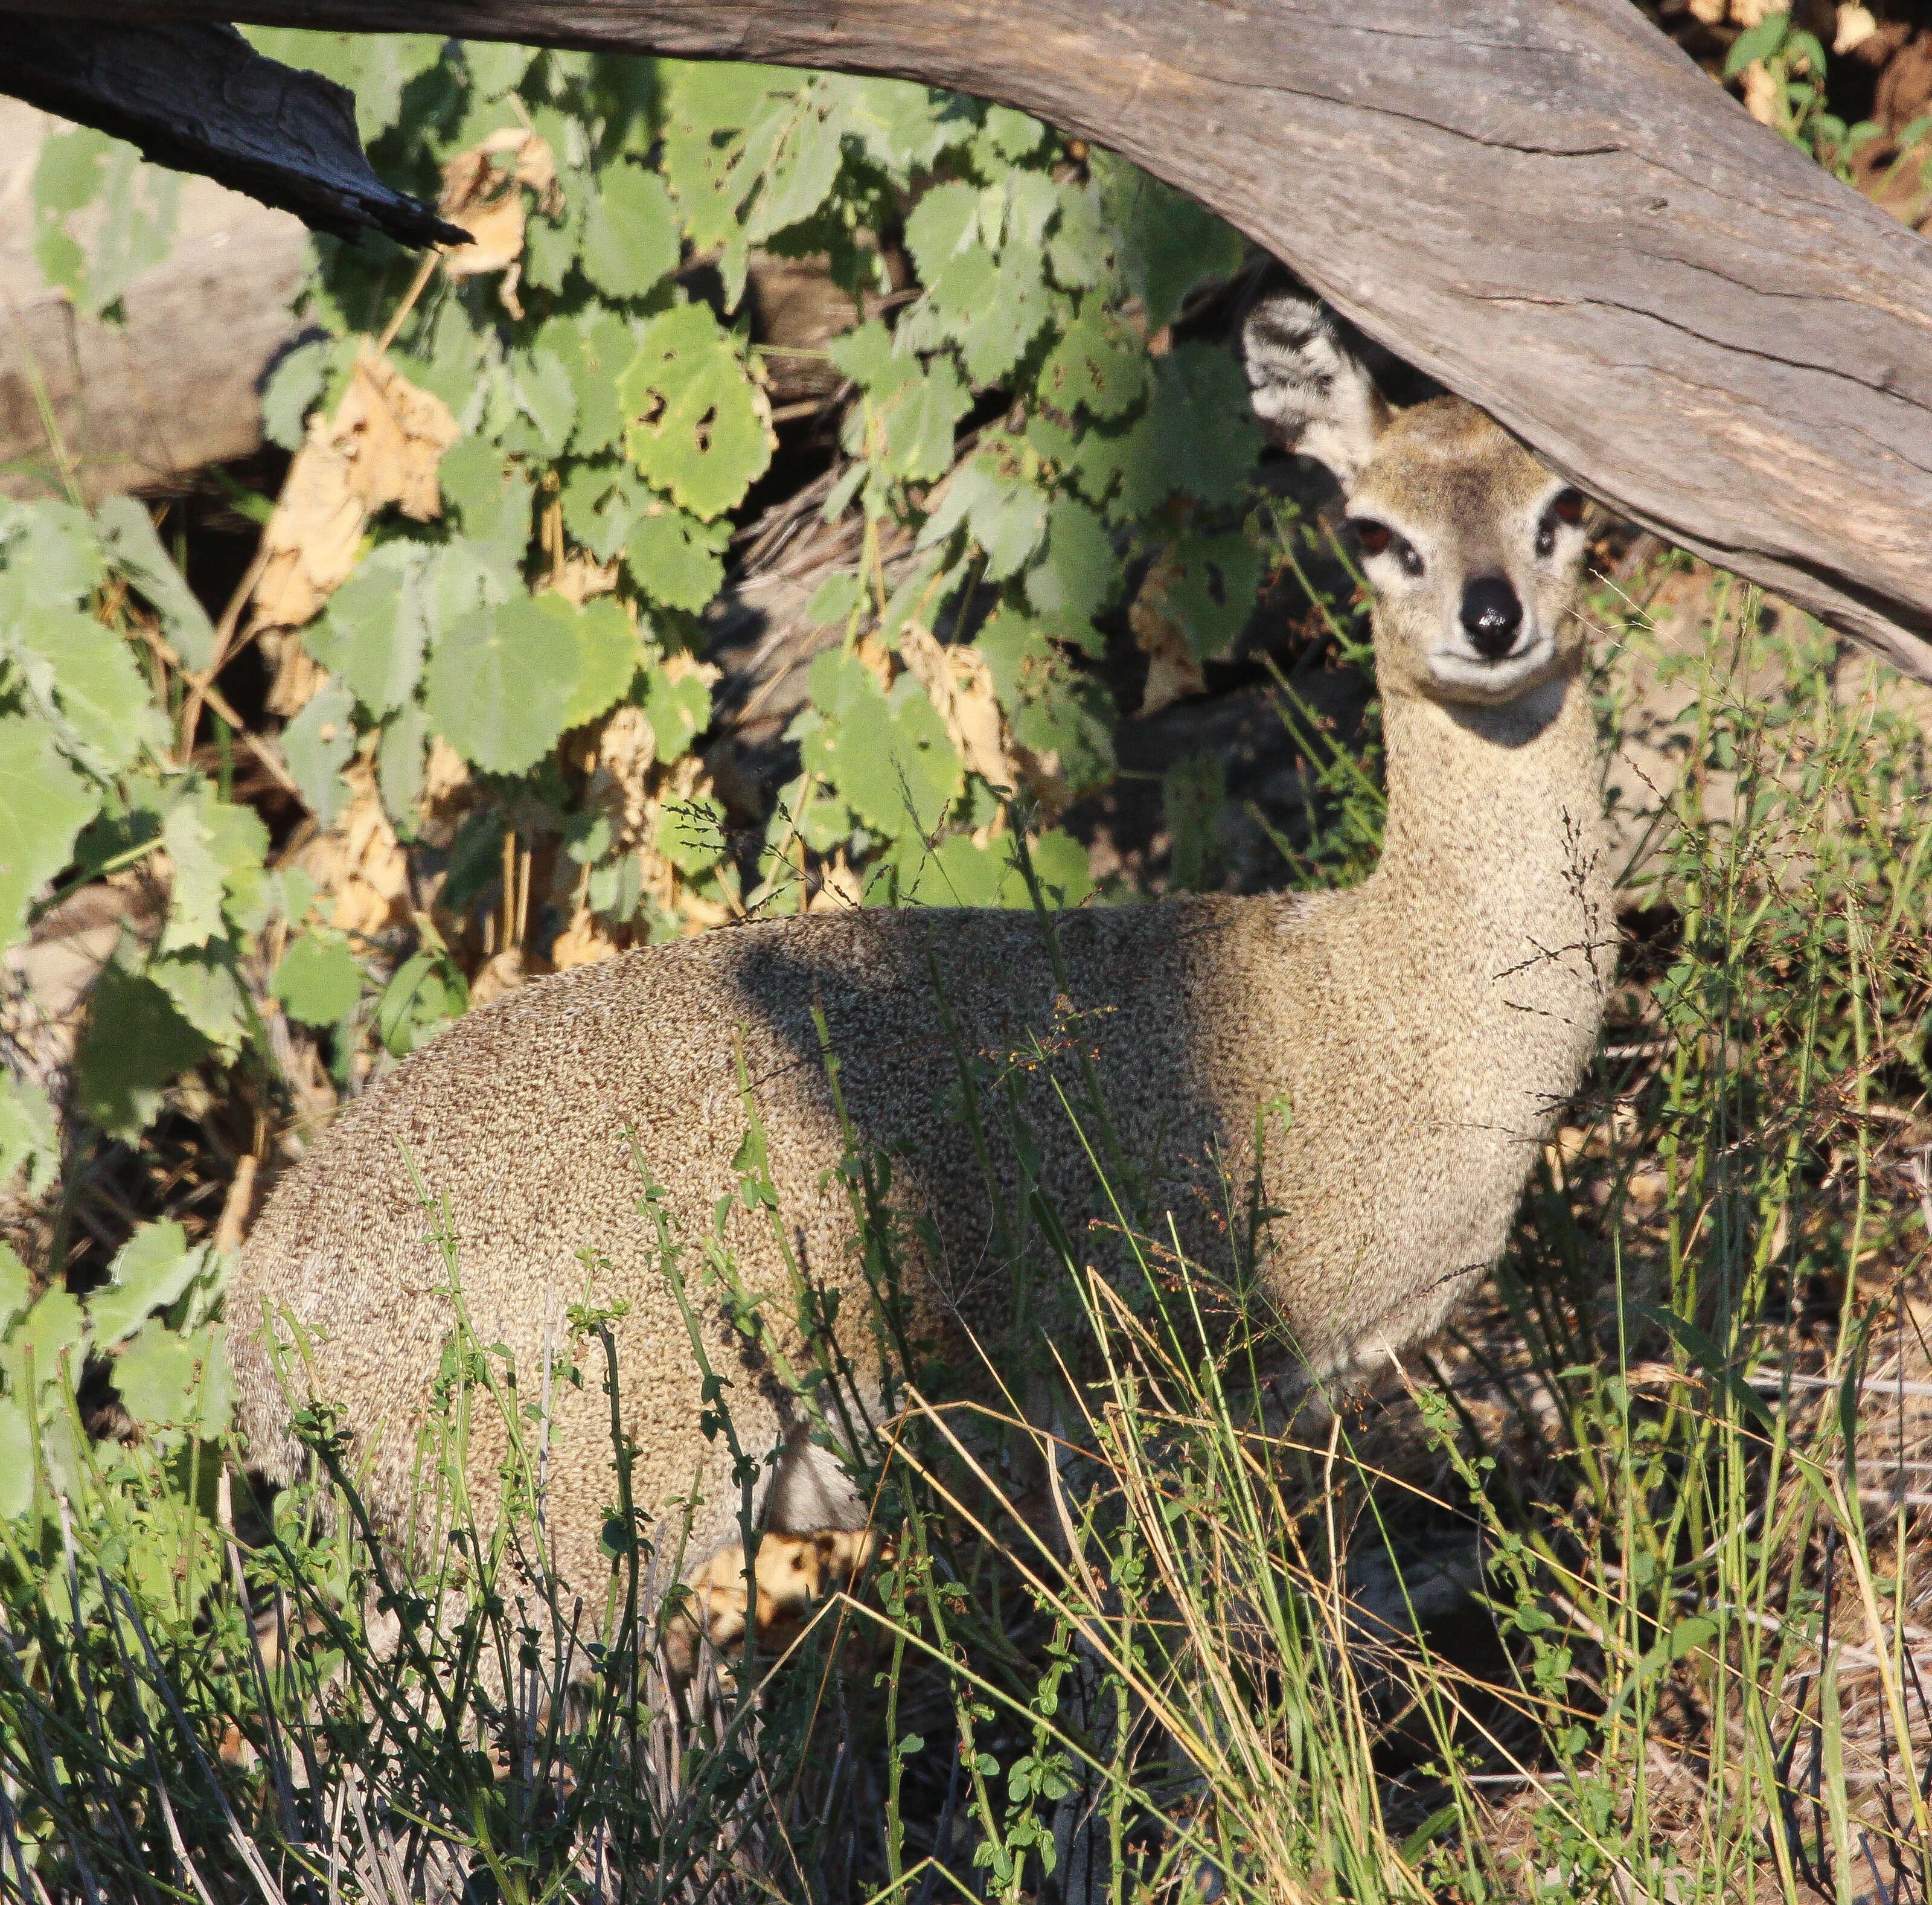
[
  {"x": 501, "y": 681},
  {"x": 630, "y": 231},
  {"x": 319, "y": 981}
]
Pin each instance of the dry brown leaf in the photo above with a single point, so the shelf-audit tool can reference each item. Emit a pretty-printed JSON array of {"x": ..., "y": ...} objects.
[
  {"x": 678, "y": 666},
  {"x": 960, "y": 686},
  {"x": 1762, "y": 93},
  {"x": 483, "y": 192},
  {"x": 877, "y": 656},
  {"x": 582, "y": 942},
  {"x": 1854, "y": 25},
  {"x": 504, "y": 973},
  {"x": 1172, "y": 669},
  {"x": 581, "y": 577},
  {"x": 840, "y": 889},
  {"x": 358, "y": 864},
  {"x": 383, "y": 446}
]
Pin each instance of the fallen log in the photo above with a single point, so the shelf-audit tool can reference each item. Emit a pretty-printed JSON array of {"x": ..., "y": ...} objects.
[{"x": 1547, "y": 206}]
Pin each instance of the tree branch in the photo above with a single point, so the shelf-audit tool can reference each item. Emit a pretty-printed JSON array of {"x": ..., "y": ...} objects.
[
  {"x": 201, "y": 99},
  {"x": 1541, "y": 202}
]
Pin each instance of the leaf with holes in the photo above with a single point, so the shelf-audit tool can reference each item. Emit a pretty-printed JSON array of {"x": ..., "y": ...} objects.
[
  {"x": 1095, "y": 366},
  {"x": 700, "y": 429}
]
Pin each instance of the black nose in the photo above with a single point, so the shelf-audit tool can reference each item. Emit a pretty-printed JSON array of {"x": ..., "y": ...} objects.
[{"x": 1491, "y": 615}]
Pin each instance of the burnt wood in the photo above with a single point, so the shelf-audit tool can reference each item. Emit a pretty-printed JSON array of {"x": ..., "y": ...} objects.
[
  {"x": 199, "y": 97},
  {"x": 1543, "y": 203}
]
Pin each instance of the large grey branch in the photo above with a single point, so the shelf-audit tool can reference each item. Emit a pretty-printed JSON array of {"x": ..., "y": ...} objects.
[
  {"x": 1540, "y": 202},
  {"x": 199, "y": 97}
]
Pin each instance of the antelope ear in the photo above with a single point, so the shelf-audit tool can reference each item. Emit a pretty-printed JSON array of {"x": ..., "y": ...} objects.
[{"x": 1308, "y": 388}]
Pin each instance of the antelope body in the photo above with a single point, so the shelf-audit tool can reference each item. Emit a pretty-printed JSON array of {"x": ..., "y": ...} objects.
[{"x": 1403, "y": 1048}]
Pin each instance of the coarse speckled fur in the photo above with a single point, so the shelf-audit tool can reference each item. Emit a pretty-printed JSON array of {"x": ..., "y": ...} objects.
[{"x": 1420, "y": 1031}]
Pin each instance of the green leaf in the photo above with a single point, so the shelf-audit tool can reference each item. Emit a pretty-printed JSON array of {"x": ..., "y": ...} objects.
[
  {"x": 399, "y": 767},
  {"x": 195, "y": 897},
  {"x": 698, "y": 425},
  {"x": 1004, "y": 512},
  {"x": 1206, "y": 585},
  {"x": 1081, "y": 251},
  {"x": 1194, "y": 436},
  {"x": 17, "y": 1459},
  {"x": 888, "y": 757},
  {"x": 912, "y": 410},
  {"x": 630, "y": 231},
  {"x": 1758, "y": 42},
  {"x": 1012, "y": 134},
  {"x": 319, "y": 981},
  {"x": 56, "y": 1324},
  {"x": 501, "y": 681},
  {"x": 29, "y": 1135},
  {"x": 994, "y": 306},
  {"x": 1077, "y": 573},
  {"x": 238, "y": 838},
  {"x": 427, "y": 992},
  {"x": 318, "y": 744},
  {"x": 68, "y": 173},
  {"x": 59, "y": 557},
  {"x": 1167, "y": 243},
  {"x": 691, "y": 834},
  {"x": 208, "y": 991},
  {"x": 1059, "y": 714},
  {"x": 595, "y": 350},
  {"x": 546, "y": 393},
  {"x": 1096, "y": 367},
  {"x": 1688, "y": 1635},
  {"x": 377, "y": 625},
  {"x": 294, "y": 388},
  {"x": 675, "y": 559},
  {"x": 43, "y": 804},
  {"x": 181, "y": 1382},
  {"x": 135, "y": 1043},
  {"x": 608, "y": 655},
  {"x": 679, "y": 711},
  {"x": 15, "y": 1284},
  {"x": 128, "y": 534},
  {"x": 151, "y": 1269},
  {"x": 101, "y": 691},
  {"x": 945, "y": 221}
]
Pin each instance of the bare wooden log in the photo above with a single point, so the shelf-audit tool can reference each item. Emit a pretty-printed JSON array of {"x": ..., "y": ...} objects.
[
  {"x": 1542, "y": 203},
  {"x": 176, "y": 384},
  {"x": 198, "y": 96}
]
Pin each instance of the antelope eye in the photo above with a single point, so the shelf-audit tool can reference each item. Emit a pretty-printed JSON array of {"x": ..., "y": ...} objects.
[
  {"x": 1374, "y": 537},
  {"x": 1568, "y": 507}
]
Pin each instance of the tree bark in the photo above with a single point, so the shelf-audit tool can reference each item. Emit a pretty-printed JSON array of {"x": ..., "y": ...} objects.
[{"x": 1541, "y": 202}]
